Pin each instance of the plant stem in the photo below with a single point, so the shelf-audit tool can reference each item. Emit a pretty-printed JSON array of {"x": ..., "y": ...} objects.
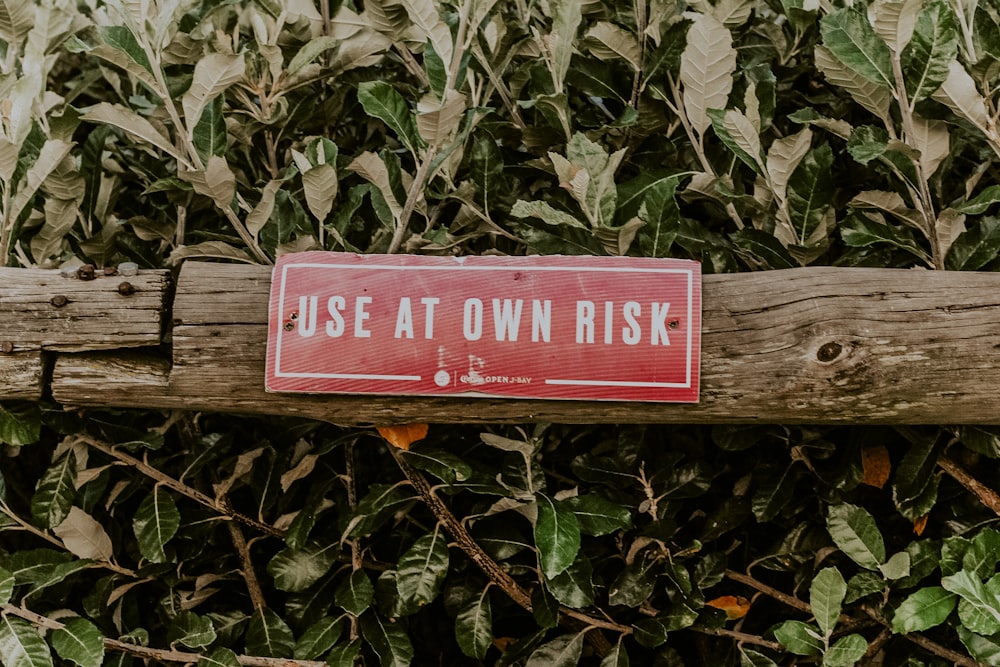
[
  {"x": 986, "y": 495},
  {"x": 416, "y": 191},
  {"x": 249, "y": 574},
  {"x": 490, "y": 568},
  {"x": 741, "y": 637},
  {"x": 219, "y": 506}
]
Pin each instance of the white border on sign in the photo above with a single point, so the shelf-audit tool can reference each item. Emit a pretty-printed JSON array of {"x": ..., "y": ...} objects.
[{"x": 565, "y": 382}]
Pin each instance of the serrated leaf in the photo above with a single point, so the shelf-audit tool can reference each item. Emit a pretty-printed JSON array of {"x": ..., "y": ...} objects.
[
  {"x": 132, "y": 123},
  {"x": 155, "y": 523},
  {"x": 389, "y": 640},
  {"x": 609, "y": 42},
  {"x": 53, "y": 498},
  {"x": 845, "y": 652},
  {"x": 707, "y": 66},
  {"x": 979, "y": 609},
  {"x": 783, "y": 157},
  {"x": 558, "y": 44},
  {"x": 738, "y": 133},
  {"x": 344, "y": 655},
  {"x": 875, "y": 96},
  {"x": 80, "y": 642},
  {"x": 269, "y": 636},
  {"x": 799, "y": 638},
  {"x": 380, "y": 100},
  {"x": 21, "y": 645},
  {"x": 52, "y": 154},
  {"x": 355, "y": 593},
  {"x": 927, "y": 58},
  {"x": 557, "y": 536},
  {"x": 849, "y": 36},
  {"x": 318, "y": 638},
  {"x": 422, "y": 569},
  {"x": 320, "y": 186},
  {"x": 433, "y": 29},
  {"x": 597, "y": 515},
  {"x": 924, "y": 609},
  {"x": 83, "y": 536},
  {"x": 826, "y": 593},
  {"x": 894, "y": 21},
  {"x": 372, "y": 168},
  {"x": 219, "y": 656},
  {"x": 854, "y": 530},
  {"x": 16, "y": 19},
  {"x": 439, "y": 120},
  {"x": 209, "y": 249},
  {"x": 213, "y": 74},
  {"x": 888, "y": 202},
  {"x": 191, "y": 630},
  {"x": 474, "y": 626},
  {"x": 295, "y": 570},
  {"x": 959, "y": 93},
  {"x": 564, "y": 651},
  {"x": 216, "y": 181}
]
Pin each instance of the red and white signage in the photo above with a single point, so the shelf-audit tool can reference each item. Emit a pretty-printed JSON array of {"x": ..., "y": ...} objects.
[{"x": 557, "y": 327}]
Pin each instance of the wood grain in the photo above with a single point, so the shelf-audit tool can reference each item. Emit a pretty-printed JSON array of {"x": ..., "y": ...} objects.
[
  {"x": 44, "y": 310},
  {"x": 813, "y": 345}
]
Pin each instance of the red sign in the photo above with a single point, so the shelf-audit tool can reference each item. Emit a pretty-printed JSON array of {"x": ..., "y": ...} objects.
[{"x": 604, "y": 328}]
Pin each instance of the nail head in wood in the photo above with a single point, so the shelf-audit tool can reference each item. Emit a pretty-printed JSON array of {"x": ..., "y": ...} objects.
[{"x": 59, "y": 301}]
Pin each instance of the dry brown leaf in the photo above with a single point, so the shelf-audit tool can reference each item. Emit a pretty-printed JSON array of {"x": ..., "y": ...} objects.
[
  {"x": 919, "y": 524},
  {"x": 876, "y": 465},
  {"x": 403, "y": 436},
  {"x": 735, "y": 606}
]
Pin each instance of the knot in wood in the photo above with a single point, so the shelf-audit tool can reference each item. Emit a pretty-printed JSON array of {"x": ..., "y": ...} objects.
[
  {"x": 829, "y": 351},
  {"x": 59, "y": 300},
  {"x": 6, "y": 347}
]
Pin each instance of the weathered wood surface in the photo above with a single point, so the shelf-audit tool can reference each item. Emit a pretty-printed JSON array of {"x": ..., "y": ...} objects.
[
  {"x": 815, "y": 345},
  {"x": 47, "y": 310}
]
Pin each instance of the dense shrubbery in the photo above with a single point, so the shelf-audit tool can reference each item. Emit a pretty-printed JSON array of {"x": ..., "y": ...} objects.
[{"x": 748, "y": 134}]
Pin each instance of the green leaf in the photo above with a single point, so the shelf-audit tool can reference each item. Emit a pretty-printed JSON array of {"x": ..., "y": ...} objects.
[
  {"x": 389, "y": 640},
  {"x": 544, "y": 607},
  {"x": 924, "y": 609},
  {"x": 635, "y": 583},
  {"x": 269, "y": 636},
  {"x": 381, "y": 501},
  {"x": 799, "y": 638},
  {"x": 990, "y": 195},
  {"x": 859, "y": 231},
  {"x": 191, "y": 630},
  {"x": 776, "y": 485},
  {"x": 618, "y": 657},
  {"x": 444, "y": 465},
  {"x": 845, "y": 652},
  {"x": 897, "y": 567},
  {"x": 155, "y": 523},
  {"x": 557, "y": 536},
  {"x": 854, "y": 530},
  {"x": 810, "y": 197},
  {"x": 652, "y": 632},
  {"x": 422, "y": 569},
  {"x": 984, "y": 553},
  {"x": 598, "y": 515},
  {"x": 750, "y": 658},
  {"x": 311, "y": 50},
  {"x": 762, "y": 250},
  {"x": 219, "y": 656},
  {"x": 295, "y": 570},
  {"x": 20, "y": 423},
  {"x": 80, "y": 642},
  {"x": 53, "y": 498},
  {"x": 863, "y": 584},
  {"x": 318, "y": 638},
  {"x": 851, "y": 38},
  {"x": 21, "y": 645},
  {"x": 826, "y": 593},
  {"x": 661, "y": 215},
  {"x": 355, "y": 593},
  {"x": 867, "y": 143},
  {"x": 927, "y": 58},
  {"x": 979, "y": 609},
  {"x": 574, "y": 587},
  {"x": 974, "y": 248},
  {"x": 474, "y": 626},
  {"x": 6, "y": 586},
  {"x": 210, "y": 136},
  {"x": 984, "y": 649},
  {"x": 344, "y": 655},
  {"x": 563, "y": 651},
  {"x": 384, "y": 102}
]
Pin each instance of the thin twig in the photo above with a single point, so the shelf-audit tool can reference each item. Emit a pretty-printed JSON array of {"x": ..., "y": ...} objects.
[
  {"x": 472, "y": 549},
  {"x": 784, "y": 598},
  {"x": 249, "y": 574},
  {"x": 742, "y": 637},
  {"x": 931, "y": 646},
  {"x": 416, "y": 191},
  {"x": 163, "y": 655},
  {"x": 986, "y": 495},
  {"x": 181, "y": 488}
]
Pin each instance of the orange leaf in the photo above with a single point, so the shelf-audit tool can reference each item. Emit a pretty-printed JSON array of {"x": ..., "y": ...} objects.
[
  {"x": 919, "y": 524},
  {"x": 876, "y": 465},
  {"x": 503, "y": 642},
  {"x": 735, "y": 606},
  {"x": 403, "y": 436}
]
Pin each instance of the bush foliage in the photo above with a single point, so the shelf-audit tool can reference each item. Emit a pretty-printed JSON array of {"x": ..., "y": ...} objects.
[{"x": 747, "y": 134}]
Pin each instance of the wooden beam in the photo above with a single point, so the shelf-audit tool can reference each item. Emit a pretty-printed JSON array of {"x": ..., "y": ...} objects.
[
  {"x": 49, "y": 310},
  {"x": 813, "y": 345}
]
